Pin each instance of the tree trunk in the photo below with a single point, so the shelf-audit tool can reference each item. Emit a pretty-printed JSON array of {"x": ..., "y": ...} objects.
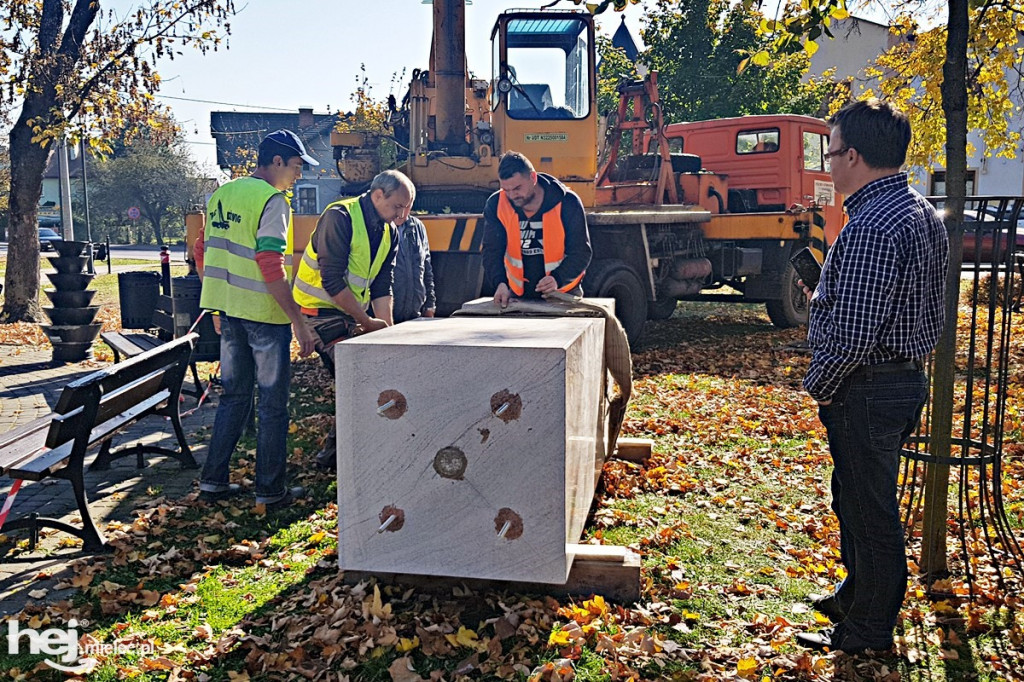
[
  {"x": 954, "y": 104},
  {"x": 28, "y": 161},
  {"x": 157, "y": 232}
]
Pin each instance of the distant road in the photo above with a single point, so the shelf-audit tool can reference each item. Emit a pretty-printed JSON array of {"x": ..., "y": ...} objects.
[{"x": 127, "y": 251}]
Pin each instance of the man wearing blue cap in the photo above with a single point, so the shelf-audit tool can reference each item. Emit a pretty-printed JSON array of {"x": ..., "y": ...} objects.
[{"x": 244, "y": 279}]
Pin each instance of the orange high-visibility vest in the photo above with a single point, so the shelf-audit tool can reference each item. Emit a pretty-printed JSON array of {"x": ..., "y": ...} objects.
[{"x": 554, "y": 244}]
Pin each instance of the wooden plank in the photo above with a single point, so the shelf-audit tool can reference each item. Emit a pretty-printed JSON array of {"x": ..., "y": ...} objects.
[
  {"x": 634, "y": 449},
  {"x": 120, "y": 344},
  {"x": 613, "y": 572},
  {"x": 39, "y": 465},
  {"x": 11, "y": 440},
  {"x": 610, "y": 571}
]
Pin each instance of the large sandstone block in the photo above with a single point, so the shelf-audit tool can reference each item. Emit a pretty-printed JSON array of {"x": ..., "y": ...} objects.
[{"x": 469, "y": 446}]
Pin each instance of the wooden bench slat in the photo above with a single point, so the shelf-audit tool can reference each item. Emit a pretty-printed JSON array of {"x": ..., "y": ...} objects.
[
  {"x": 124, "y": 418},
  {"x": 123, "y": 399},
  {"x": 130, "y": 345},
  {"x": 43, "y": 464},
  {"x": 26, "y": 448},
  {"x": 11, "y": 438}
]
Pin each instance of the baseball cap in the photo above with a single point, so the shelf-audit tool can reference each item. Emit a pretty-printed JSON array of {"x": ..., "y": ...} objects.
[{"x": 289, "y": 139}]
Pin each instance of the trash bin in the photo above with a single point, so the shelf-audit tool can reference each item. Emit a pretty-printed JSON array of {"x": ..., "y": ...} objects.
[
  {"x": 138, "y": 292},
  {"x": 185, "y": 292}
]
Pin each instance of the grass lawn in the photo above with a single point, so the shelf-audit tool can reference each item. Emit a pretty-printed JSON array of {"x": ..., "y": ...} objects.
[{"x": 730, "y": 517}]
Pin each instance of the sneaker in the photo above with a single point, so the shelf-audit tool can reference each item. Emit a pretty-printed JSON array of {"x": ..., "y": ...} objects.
[
  {"x": 232, "y": 490},
  {"x": 286, "y": 500}
]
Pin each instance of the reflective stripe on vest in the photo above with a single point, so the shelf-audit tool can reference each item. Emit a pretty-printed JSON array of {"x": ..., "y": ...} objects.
[
  {"x": 309, "y": 291},
  {"x": 553, "y": 242},
  {"x": 233, "y": 282}
]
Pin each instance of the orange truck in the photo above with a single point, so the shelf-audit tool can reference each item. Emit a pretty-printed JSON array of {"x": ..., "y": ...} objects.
[{"x": 680, "y": 211}]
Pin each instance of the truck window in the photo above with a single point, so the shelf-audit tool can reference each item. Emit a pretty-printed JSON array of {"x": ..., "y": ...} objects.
[
  {"x": 815, "y": 146},
  {"x": 675, "y": 145},
  {"x": 758, "y": 141},
  {"x": 548, "y": 69}
]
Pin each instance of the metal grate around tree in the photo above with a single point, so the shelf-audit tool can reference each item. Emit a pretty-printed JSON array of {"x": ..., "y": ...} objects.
[{"x": 991, "y": 273}]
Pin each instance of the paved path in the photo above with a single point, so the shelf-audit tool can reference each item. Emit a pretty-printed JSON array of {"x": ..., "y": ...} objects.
[{"x": 29, "y": 385}]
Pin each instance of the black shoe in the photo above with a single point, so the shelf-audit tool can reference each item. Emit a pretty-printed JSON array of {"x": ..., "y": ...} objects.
[
  {"x": 208, "y": 496},
  {"x": 824, "y": 641},
  {"x": 327, "y": 459},
  {"x": 818, "y": 641},
  {"x": 828, "y": 606},
  {"x": 287, "y": 499}
]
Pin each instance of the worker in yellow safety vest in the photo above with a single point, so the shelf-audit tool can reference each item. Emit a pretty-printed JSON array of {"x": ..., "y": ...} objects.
[
  {"x": 244, "y": 280},
  {"x": 535, "y": 234},
  {"x": 348, "y": 266}
]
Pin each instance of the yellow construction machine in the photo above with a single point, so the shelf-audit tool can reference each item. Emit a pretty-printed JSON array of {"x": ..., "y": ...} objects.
[{"x": 663, "y": 228}]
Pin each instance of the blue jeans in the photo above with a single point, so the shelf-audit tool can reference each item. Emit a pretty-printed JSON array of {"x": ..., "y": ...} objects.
[
  {"x": 868, "y": 422},
  {"x": 252, "y": 353}
]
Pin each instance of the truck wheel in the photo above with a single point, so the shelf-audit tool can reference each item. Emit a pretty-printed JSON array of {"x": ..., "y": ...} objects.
[
  {"x": 661, "y": 309},
  {"x": 790, "y": 310},
  {"x": 615, "y": 279}
]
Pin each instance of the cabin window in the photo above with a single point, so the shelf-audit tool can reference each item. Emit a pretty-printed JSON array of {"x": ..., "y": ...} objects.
[
  {"x": 758, "y": 141},
  {"x": 815, "y": 148},
  {"x": 547, "y": 69}
]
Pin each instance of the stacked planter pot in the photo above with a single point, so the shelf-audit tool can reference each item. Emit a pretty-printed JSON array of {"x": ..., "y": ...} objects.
[{"x": 72, "y": 329}]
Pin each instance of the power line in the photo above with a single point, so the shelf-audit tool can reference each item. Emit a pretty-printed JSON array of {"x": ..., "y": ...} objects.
[{"x": 226, "y": 104}]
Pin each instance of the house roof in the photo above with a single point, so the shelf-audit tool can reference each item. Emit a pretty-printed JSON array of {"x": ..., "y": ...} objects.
[
  {"x": 52, "y": 171},
  {"x": 623, "y": 39},
  {"x": 235, "y": 131}
]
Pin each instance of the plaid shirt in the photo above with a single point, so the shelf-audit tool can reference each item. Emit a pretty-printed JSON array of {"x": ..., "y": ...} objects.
[{"x": 880, "y": 297}]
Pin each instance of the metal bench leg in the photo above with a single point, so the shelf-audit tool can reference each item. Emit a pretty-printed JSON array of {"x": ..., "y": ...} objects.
[
  {"x": 198, "y": 393},
  {"x": 92, "y": 539},
  {"x": 185, "y": 455}
]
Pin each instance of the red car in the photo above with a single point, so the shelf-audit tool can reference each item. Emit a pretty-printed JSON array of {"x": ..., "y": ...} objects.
[{"x": 988, "y": 240}]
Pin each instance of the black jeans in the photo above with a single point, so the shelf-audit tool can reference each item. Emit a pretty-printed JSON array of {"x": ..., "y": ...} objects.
[{"x": 868, "y": 422}]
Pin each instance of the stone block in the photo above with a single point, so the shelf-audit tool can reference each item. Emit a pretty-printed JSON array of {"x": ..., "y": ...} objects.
[{"x": 469, "y": 446}]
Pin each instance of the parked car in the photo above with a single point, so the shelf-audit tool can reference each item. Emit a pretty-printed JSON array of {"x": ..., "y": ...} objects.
[
  {"x": 984, "y": 231},
  {"x": 47, "y": 237}
]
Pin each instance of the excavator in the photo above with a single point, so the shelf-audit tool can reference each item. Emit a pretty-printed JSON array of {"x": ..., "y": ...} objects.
[{"x": 665, "y": 223}]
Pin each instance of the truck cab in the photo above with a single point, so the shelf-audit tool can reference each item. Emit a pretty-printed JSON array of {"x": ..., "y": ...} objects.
[{"x": 771, "y": 162}]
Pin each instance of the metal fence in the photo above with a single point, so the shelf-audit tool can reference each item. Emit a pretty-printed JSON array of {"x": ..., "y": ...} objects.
[{"x": 991, "y": 272}]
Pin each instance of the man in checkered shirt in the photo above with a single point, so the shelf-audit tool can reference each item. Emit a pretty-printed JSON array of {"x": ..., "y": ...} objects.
[{"x": 874, "y": 316}]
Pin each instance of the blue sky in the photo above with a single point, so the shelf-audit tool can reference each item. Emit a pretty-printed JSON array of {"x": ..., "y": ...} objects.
[{"x": 286, "y": 54}]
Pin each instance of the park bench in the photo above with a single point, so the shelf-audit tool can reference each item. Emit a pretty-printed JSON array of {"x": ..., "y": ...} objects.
[
  {"x": 127, "y": 346},
  {"x": 93, "y": 410}
]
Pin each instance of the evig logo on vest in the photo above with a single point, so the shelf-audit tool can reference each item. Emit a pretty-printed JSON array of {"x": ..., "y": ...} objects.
[{"x": 63, "y": 647}]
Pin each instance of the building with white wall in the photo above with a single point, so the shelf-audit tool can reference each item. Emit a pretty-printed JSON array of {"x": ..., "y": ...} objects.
[{"x": 858, "y": 42}]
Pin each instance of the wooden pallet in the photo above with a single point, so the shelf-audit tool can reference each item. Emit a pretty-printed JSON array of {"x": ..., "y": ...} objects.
[{"x": 636, "y": 450}]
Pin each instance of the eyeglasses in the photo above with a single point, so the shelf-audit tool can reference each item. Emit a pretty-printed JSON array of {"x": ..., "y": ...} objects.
[{"x": 838, "y": 152}]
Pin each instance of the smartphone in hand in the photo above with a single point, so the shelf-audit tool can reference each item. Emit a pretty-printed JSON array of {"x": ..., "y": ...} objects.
[{"x": 807, "y": 267}]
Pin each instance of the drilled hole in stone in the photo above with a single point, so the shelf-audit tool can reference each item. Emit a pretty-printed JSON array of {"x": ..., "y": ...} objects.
[
  {"x": 450, "y": 462},
  {"x": 510, "y": 522},
  {"x": 506, "y": 406},
  {"x": 391, "y": 404},
  {"x": 385, "y": 518}
]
